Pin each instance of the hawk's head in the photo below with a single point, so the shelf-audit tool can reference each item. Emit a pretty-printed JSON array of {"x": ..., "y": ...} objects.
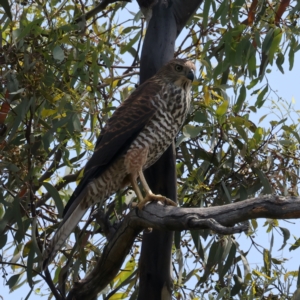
[{"x": 178, "y": 71}]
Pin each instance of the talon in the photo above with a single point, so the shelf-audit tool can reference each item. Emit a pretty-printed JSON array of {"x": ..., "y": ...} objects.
[{"x": 152, "y": 197}]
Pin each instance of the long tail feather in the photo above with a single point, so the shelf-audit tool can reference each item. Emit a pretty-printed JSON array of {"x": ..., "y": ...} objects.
[{"x": 64, "y": 230}]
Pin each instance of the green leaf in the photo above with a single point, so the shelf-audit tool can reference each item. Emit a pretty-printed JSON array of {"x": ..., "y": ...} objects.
[
  {"x": 242, "y": 132},
  {"x": 76, "y": 122},
  {"x": 290, "y": 130},
  {"x": 253, "y": 83},
  {"x": 280, "y": 61},
  {"x": 213, "y": 255},
  {"x": 13, "y": 280},
  {"x": 267, "y": 262},
  {"x": 48, "y": 137},
  {"x": 262, "y": 118},
  {"x": 129, "y": 29},
  {"x": 237, "y": 5},
  {"x": 7, "y": 217},
  {"x": 241, "y": 48},
  {"x": 260, "y": 99},
  {"x": 224, "y": 14},
  {"x": 222, "y": 293},
  {"x": 295, "y": 245},
  {"x": 220, "y": 10},
  {"x": 27, "y": 248},
  {"x": 28, "y": 27},
  {"x": 252, "y": 65},
  {"x": 3, "y": 240},
  {"x": 20, "y": 112},
  {"x": 29, "y": 268},
  {"x": 277, "y": 261},
  {"x": 133, "y": 52},
  {"x": 198, "y": 244},
  {"x": 200, "y": 117},
  {"x": 246, "y": 265},
  {"x": 55, "y": 195},
  {"x": 268, "y": 41},
  {"x": 125, "y": 273},
  {"x": 11, "y": 167},
  {"x": 243, "y": 193},
  {"x": 106, "y": 60},
  {"x": 275, "y": 44},
  {"x": 254, "y": 224},
  {"x": 206, "y": 156},
  {"x": 131, "y": 43},
  {"x": 241, "y": 99},
  {"x": 229, "y": 260},
  {"x": 6, "y": 7},
  {"x": 222, "y": 109},
  {"x": 286, "y": 236},
  {"x": 237, "y": 285},
  {"x": 291, "y": 58},
  {"x": 264, "y": 181},
  {"x": 180, "y": 139},
  {"x": 17, "y": 216},
  {"x": 58, "y": 54},
  {"x": 227, "y": 199},
  {"x": 205, "y": 13},
  {"x": 258, "y": 135},
  {"x": 191, "y": 131}
]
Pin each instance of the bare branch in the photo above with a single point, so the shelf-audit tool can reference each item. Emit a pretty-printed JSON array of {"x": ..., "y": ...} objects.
[
  {"x": 52, "y": 286},
  {"x": 101, "y": 6},
  {"x": 175, "y": 218},
  {"x": 183, "y": 10}
]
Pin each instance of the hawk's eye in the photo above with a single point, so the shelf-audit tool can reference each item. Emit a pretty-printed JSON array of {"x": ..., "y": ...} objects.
[{"x": 178, "y": 68}]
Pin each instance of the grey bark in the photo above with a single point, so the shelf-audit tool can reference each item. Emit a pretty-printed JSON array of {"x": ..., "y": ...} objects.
[
  {"x": 219, "y": 219},
  {"x": 168, "y": 19},
  {"x": 155, "y": 260}
]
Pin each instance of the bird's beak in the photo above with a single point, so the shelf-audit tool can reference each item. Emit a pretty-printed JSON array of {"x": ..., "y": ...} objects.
[{"x": 190, "y": 75}]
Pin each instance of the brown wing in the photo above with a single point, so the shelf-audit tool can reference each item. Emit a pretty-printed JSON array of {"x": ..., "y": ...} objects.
[{"x": 119, "y": 132}]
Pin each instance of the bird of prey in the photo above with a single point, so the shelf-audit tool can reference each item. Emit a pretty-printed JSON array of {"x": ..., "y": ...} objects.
[{"x": 134, "y": 138}]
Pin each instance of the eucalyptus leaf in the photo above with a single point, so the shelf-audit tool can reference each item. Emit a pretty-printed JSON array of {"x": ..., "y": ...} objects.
[{"x": 58, "y": 54}]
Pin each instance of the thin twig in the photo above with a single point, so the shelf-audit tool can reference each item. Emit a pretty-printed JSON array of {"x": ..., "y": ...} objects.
[{"x": 101, "y": 6}]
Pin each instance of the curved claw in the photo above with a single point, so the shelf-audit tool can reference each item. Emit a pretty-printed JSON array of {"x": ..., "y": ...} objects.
[{"x": 152, "y": 197}]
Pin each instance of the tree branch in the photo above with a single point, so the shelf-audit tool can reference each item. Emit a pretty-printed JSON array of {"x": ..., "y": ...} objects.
[
  {"x": 101, "y": 6},
  {"x": 183, "y": 11},
  {"x": 175, "y": 218}
]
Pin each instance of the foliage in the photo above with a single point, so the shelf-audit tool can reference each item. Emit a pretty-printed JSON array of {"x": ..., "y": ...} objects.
[{"x": 62, "y": 79}]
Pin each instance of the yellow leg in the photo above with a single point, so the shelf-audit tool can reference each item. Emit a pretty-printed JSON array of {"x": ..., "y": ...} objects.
[
  {"x": 149, "y": 195},
  {"x": 144, "y": 183},
  {"x": 136, "y": 189}
]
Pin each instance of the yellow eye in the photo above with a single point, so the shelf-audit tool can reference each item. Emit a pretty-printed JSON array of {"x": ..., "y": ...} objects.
[{"x": 178, "y": 68}]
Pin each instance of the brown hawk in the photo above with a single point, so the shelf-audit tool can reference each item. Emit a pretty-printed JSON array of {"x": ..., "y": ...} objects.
[{"x": 134, "y": 138}]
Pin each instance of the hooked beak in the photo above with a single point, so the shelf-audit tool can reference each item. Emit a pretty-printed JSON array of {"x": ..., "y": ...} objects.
[{"x": 190, "y": 75}]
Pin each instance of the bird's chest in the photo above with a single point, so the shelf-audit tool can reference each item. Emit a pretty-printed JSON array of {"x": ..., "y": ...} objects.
[{"x": 171, "y": 109}]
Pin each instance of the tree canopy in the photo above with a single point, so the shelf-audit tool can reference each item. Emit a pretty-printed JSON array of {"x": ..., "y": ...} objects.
[{"x": 66, "y": 66}]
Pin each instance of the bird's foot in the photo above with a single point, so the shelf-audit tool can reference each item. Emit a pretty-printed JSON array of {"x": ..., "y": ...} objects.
[{"x": 152, "y": 197}]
